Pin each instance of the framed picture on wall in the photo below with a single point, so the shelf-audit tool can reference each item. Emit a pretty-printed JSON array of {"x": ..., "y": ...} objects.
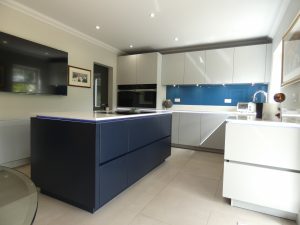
[
  {"x": 291, "y": 54},
  {"x": 79, "y": 77}
]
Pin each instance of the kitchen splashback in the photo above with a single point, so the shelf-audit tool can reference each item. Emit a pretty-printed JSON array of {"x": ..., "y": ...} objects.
[{"x": 214, "y": 94}]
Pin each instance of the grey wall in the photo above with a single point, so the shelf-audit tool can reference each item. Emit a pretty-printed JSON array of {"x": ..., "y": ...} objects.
[
  {"x": 81, "y": 54},
  {"x": 293, "y": 91}
]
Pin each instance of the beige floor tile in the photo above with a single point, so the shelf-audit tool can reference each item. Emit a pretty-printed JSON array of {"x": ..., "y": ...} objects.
[
  {"x": 208, "y": 157},
  {"x": 25, "y": 169},
  {"x": 145, "y": 220},
  {"x": 217, "y": 218}
]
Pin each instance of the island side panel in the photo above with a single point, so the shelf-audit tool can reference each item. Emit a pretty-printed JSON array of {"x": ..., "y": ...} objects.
[{"x": 63, "y": 157}]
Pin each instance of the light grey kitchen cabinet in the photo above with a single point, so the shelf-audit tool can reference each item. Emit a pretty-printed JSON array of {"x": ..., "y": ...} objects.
[
  {"x": 195, "y": 68},
  {"x": 127, "y": 72},
  {"x": 213, "y": 130},
  {"x": 219, "y": 66},
  {"x": 268, "y": 63},
  {"x": 189, "y": 129},
  {"x": 250, "y": 64},
  {"x": 172, "y": 69},
  {"x": 147, "y": 68},
  {"x": 175, "y": 128}
]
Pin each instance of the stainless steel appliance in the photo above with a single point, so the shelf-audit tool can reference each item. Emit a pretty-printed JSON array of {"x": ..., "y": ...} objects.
[
  {"x": 137, "y": 96},
  {"x": 246, "y": 107}
]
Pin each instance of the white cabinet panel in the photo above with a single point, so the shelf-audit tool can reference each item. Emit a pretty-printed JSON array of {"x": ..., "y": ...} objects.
[
  {"x": 189, "y": 129},
  {"x": 250, "y": 64},
  {"x": 173, "y": 69},
  {"x": 213, "y": 131},
  {"x": 127, "y": 69},
  {"x": 219, "y": 65},
  {"x": 268, "y": 63},
  {"x": 14, "y": 140},
  {"x": 147, "y": 68},
  {"x": 175, "y": 128},
  {"x": 263, "y": 145},
  {"x": 195, "y": 68},
  {"x": 262, "y": 186}
]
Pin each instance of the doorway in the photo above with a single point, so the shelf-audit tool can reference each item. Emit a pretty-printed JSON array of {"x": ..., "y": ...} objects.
[{"x": 100, "y": 87}]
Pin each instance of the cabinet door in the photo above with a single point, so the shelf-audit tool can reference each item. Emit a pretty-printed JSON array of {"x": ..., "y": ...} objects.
[
  {"x": 268, "y": 63},
  {"x": 175, "y": 128},
  {"x": 113, "y": 179},
  {"x": 213, "y": 131},
  {"x": 113, "y": 140},
  {"x": 147, "y": 68},
  {"x": 127, "y": 69},
  {"x": 189, "y": 129},
  {"x": 173, "y": 69},
  {"x": 219, "y": 65},
  {"x": 250, "y": 64},
  {"x": 194, "y": 68}
]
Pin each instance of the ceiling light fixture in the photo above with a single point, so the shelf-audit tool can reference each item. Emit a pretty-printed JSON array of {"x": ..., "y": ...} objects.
[
  {"x": 152, "y": 15},
  {"x": 130, "y": 46},
  {"x": 176, "y": 39},
  {"x": 98, "y": 27}
]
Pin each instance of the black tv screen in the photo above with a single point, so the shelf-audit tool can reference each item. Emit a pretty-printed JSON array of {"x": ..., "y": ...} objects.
[{"x": 31, "y": 68}]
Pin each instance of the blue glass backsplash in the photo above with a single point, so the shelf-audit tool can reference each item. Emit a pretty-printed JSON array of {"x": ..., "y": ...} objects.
[{"x": 215, "y": 94}]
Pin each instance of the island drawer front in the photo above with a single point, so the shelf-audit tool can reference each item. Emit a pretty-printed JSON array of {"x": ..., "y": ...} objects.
[
  {"x": 266, "y": 187},
  {"x": 263, "y": 145},
  {"x": 113, "y": 179},
  {"x": 113, "y": 140},
  {"x": 145, "y": 159},
  {"x": 143, "y": 131}
]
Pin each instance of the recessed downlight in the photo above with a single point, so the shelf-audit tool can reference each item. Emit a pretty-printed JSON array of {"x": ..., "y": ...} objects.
[
  {"x": 152, "y": 15},
  {"x": 176, "y": 39},
  {"x": 98, "y": 27},
  {"x": 130, "y": 46}
]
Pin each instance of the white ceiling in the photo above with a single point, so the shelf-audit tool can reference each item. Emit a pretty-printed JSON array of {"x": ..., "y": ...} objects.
[{"x": 194, "y": 22}]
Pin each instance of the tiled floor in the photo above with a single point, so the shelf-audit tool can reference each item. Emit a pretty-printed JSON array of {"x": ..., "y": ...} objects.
[{"x": 185, "y": 190}]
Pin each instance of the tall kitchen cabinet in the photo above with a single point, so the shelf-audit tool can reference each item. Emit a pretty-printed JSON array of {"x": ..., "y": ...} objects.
[
  {"x": 219, "y": 65},
  {"x": 139, "y": 69}
]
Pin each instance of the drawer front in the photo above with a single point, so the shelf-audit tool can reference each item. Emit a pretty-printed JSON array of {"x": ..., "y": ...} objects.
[
  {"x": 144, "y": 131},
  {"x": 262, "y": 186},
  {"x": 113, "y": 179},
  {"x": 113, "y": 140},
  {"x": 263, "y": 145}
]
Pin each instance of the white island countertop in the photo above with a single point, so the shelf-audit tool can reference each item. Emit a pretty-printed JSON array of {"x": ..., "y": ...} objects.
[
  {"x": 287, "y": 121},
  {"x": 95, "y": 116}
]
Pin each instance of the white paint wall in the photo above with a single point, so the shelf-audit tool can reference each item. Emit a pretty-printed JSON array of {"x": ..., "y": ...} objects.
[
  {"x": 293, "y": 91},
  {"x": 81, "y": 54}
]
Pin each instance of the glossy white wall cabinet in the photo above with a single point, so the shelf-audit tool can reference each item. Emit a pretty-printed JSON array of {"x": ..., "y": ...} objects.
[
  {"x": 127, "y": 69},
  {"x": 172, "y": 69},
  {"x": 189, "y": 129},
  {"x": 139, "y": 69},
  {"x": 219, "y": 66},
  {"x": 195, "y": 68},
  {"x": 250, "y": 64},
  {"x": 147, "y": 68}
]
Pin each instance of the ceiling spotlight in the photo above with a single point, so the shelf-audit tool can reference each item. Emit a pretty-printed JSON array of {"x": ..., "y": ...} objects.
[
  {"x": 152, "y": 15},
  {"x": 130, "y": 46},
  {"x": 98, "y": 27},
  {"x": 176, "y": 39}
]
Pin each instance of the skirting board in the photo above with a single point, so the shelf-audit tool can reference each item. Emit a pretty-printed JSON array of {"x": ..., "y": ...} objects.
[
  {"x": 220, "y": 151},
  {"x": 17, "y": 163},
  {"x": 261, "y": 209}
]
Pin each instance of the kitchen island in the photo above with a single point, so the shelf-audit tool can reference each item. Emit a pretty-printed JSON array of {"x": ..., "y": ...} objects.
[
  {"x": 86, "y": 159},
  {"x": 262, "y": 165}
]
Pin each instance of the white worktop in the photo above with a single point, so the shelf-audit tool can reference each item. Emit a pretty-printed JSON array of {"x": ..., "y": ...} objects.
[
  {"x": 94, "y": 116},
  {"x": 287, "y": 121}
]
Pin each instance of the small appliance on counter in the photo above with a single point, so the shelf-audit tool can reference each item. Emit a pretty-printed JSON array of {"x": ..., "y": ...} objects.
[{"x": 246, "y": 107}]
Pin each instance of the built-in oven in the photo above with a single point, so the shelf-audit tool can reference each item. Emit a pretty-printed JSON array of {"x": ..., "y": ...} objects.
[{"x": 137, "y": 96}]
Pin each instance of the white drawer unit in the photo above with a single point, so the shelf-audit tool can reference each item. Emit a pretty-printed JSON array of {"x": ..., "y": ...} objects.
[
  {"x": 266, "y": 187},
  {"x": 264, "y": 145}
]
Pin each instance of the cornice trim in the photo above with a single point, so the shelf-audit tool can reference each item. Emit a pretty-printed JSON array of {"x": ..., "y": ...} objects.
[{"x": 57, "y": 24}]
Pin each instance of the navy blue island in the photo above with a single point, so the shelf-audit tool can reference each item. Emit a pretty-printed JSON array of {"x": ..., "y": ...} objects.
[{"x": 86, "y": 159}]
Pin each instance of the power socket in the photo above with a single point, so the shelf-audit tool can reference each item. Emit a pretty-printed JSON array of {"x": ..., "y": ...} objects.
[{"x": 227, "y": 100}]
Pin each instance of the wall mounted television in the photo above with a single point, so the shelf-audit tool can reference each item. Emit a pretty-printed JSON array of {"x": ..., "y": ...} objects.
[{"x": 30, "y": 68}]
